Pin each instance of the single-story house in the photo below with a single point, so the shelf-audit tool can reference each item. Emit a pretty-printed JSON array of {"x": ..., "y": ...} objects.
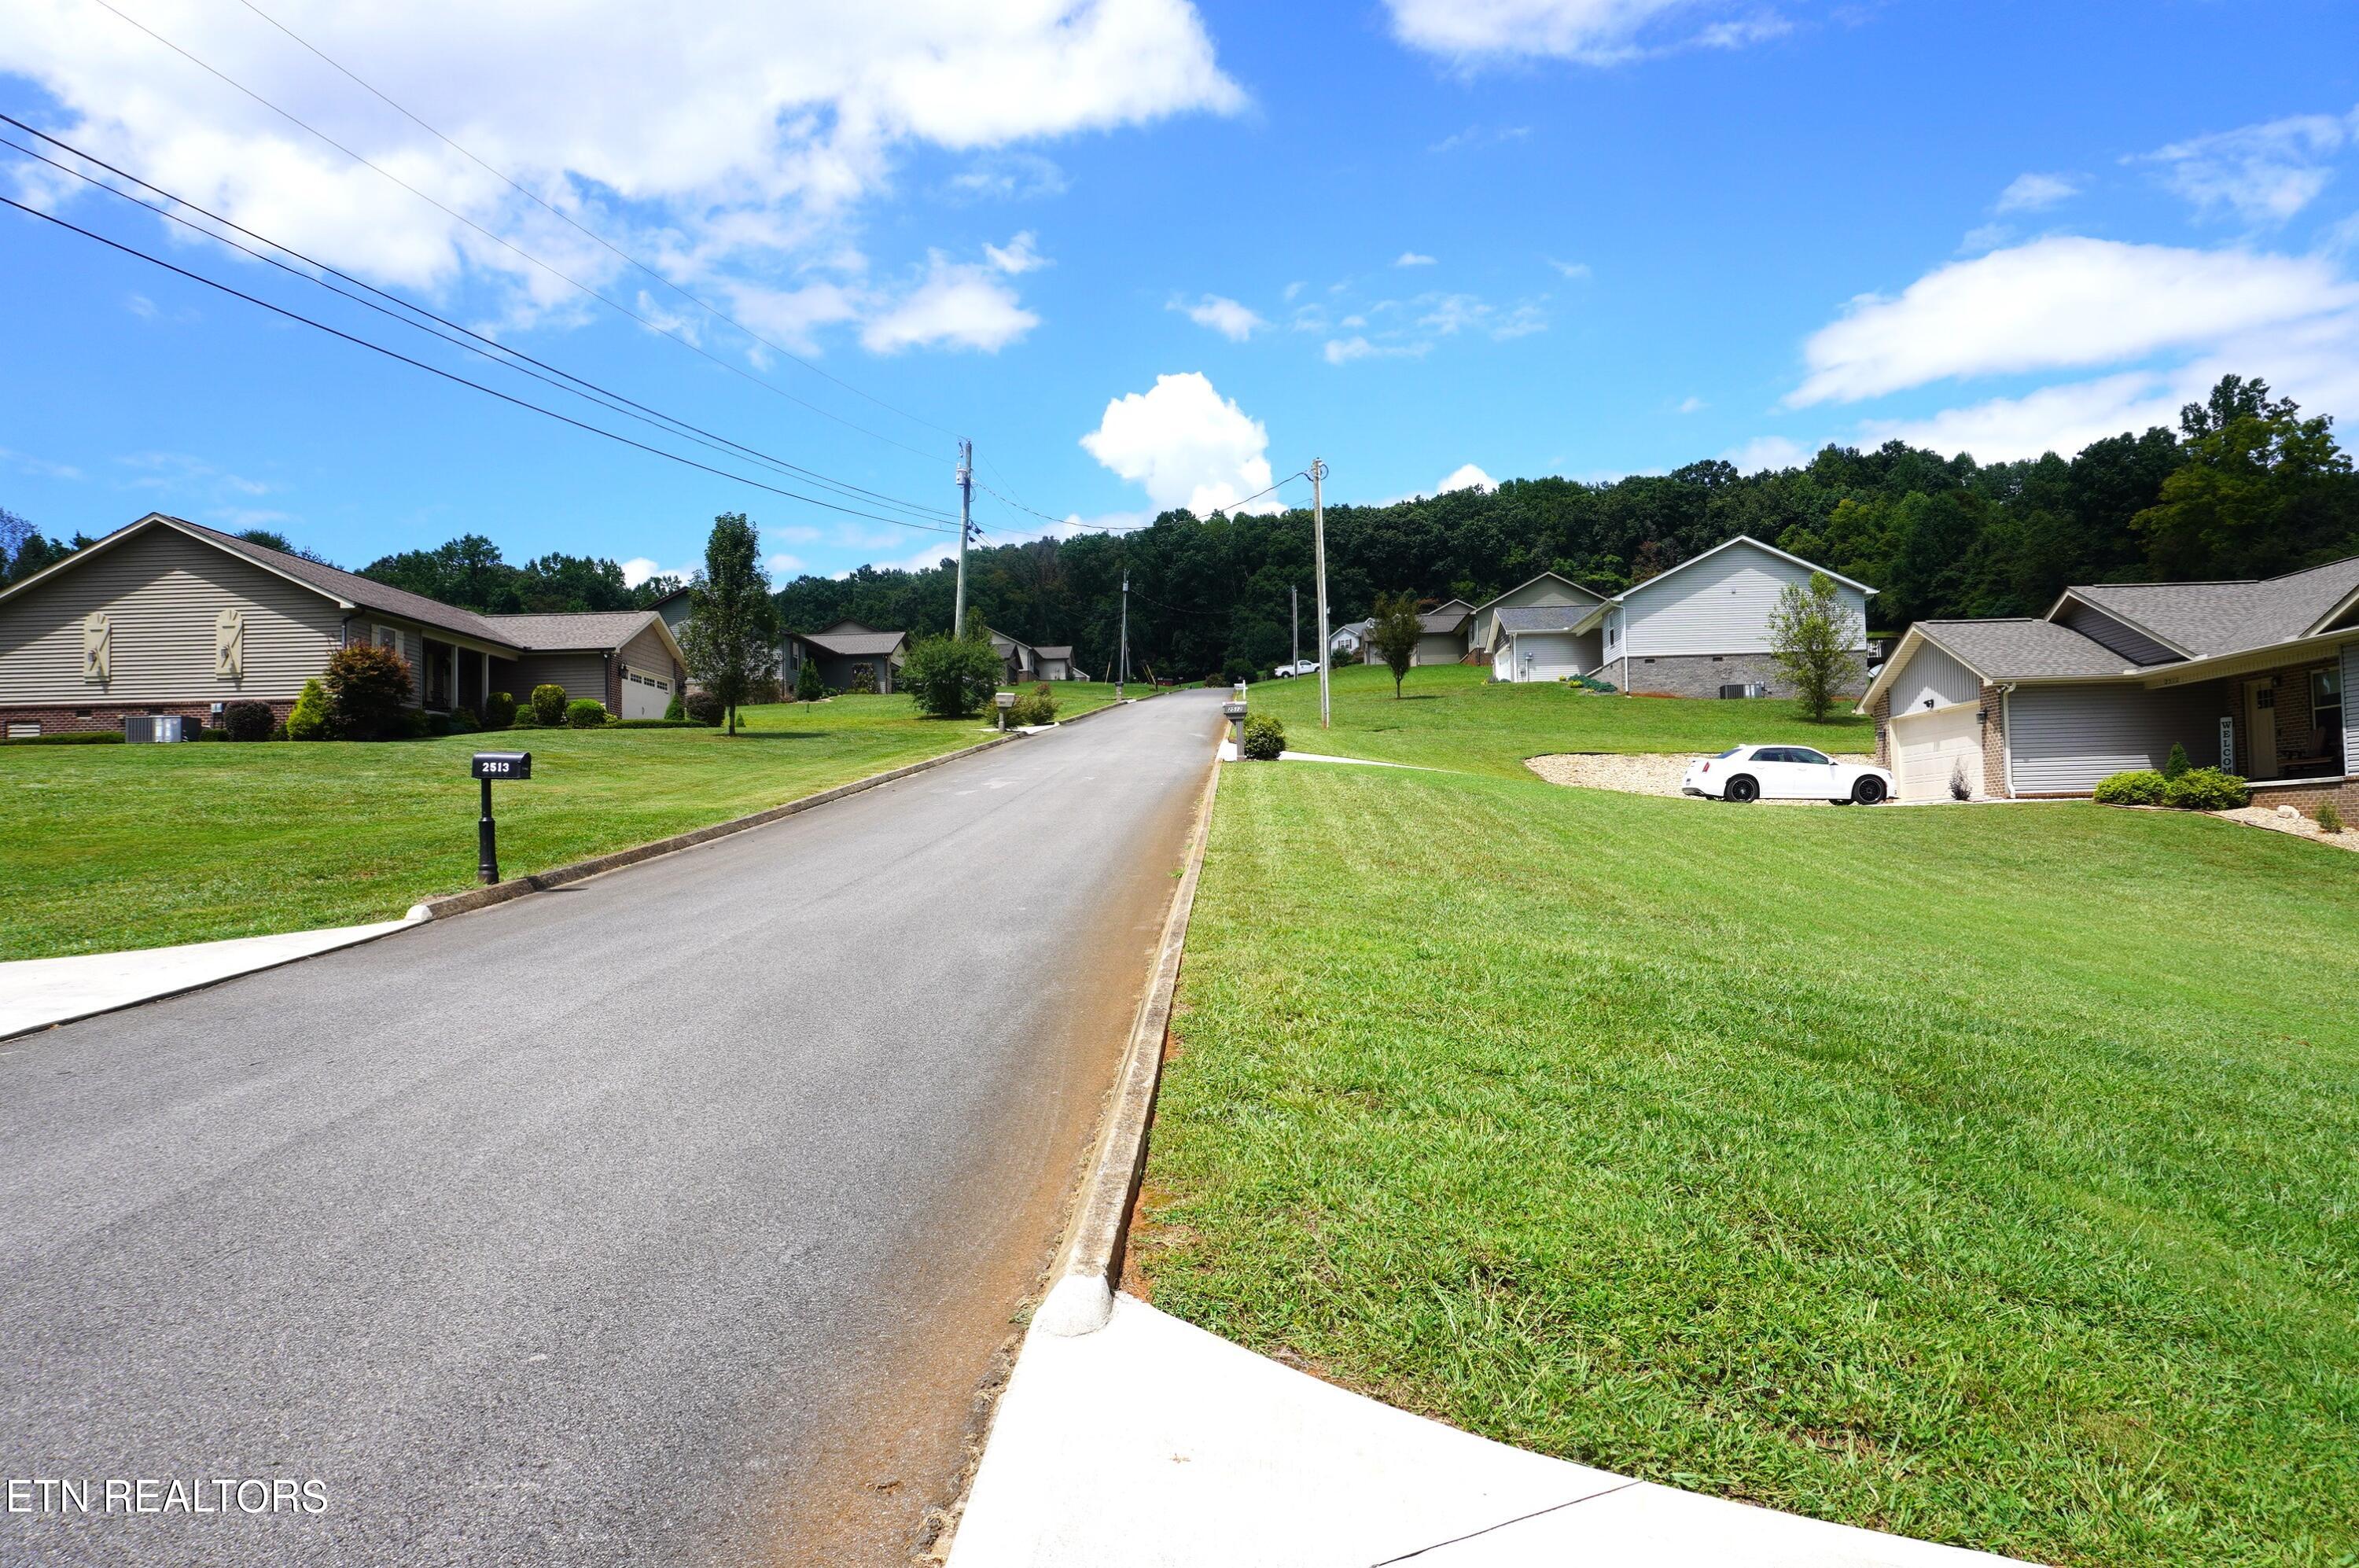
[
  {"x": 1442, "y": 635},
  {"x": 1684, "y": 632},
  {"x": 1027, "y": 662},
  {"x": 841, "y": 651},
  {"x": 2251, "y": 677},
  {"x": 168, "y": 617},
  {"x": 1344, "y": 642}
]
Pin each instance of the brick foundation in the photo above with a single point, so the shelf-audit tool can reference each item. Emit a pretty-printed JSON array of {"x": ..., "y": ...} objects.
[
  {"x": 1704, "y": 674},
  {"x": 2306, "y": 795},
  {"x": 62, "y": 718}
]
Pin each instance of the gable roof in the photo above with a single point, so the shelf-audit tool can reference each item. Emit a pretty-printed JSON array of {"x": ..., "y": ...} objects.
[
  {"x": 1594, "y": 596},
  {"x": 570, "y": 630},
  {"x": 1054, "y": 650},
  {"x": 2019, "y": 648},
  {"x": 1729, "y": 543},
  {"x": 859, "y": 644},
  {"x": 2207, "y": 620}
]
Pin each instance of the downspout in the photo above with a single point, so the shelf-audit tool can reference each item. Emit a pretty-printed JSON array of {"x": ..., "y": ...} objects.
[{"x": 2006, "y": 735}]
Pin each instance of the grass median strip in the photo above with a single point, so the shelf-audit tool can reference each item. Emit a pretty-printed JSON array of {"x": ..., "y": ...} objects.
[
  {"x": 150, "y": 845},
  {"x": 1983, "y": 1174}
]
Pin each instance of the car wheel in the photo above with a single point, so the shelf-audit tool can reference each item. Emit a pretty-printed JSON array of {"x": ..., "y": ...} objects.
[
  {"x": 1868, "y": 791},
  {"x": 1742, "y": 789}
]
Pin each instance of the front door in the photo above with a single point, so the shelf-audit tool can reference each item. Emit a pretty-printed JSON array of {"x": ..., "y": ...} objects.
[{"x": 2260, "y": 729}]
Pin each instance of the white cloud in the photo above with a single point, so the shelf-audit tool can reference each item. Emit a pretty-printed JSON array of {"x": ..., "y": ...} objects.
[
  {"x": 2264, "y": 173},
  {"x": 2056, "y": 304},
  {"x": 778, "y": 563},
  {"x": 1224, "y": 315},
  {"x": 1019, "y": 256},
  {"x": 737, "y": 150},
  {"x": 639, "y": 568},
  {"x": 1595, "y": 32},
  {"x": 1008, "y": 177},
  {"x": 794, "y": 533},
  {"x": 1185, "y": 445},
  {"x": 1576, "y": 270},
  {"x": 1411, "y": 258},
  {"x": 1691, "y": 405},
  {"x": 1343, "y": 351},
  {"x": 2036, "y": 192},
  {"x": 1478, "y": 136},
  {"x": 40, "y": 465},
  {"x": 1767, "y": 451},
  {"x": 954, "y": 305},
  {"x": 1466, "y": 476}
]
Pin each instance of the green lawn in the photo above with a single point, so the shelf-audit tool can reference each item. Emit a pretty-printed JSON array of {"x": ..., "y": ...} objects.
[
  {"x": 123, "y": 846},
  {"x": 1452, "y": 716},
  {"x": 1988, "y": 1174}
]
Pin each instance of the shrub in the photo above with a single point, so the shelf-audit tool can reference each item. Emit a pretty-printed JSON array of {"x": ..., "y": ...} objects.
[
  {"x": 2205, "y": 790},
  {"x": 2329, "y": 821},
  {"x": 247, "y": 721},
  {"x": 1033, "y": 708},
  {"x": 704, "y": 707},
  {"x": 463, "y": 721},
  {"x": 549, "y": 705},
  {"x": 309, "y": 721},
  {"x": 864, "y": 680},
  {"x": 500, "y": 711},
  {"x": 367, "y": 689},
  {"x": 581, "y": 714},
  {"x": 70, "y": 738},
  {"x": 673, "y": 710},
  {"x": 951, "y": 678},
  {"x": 2176, "y": 763},
  {"x": 808, "y": 687},
  {"x": 654, "y": 724},
  {"x": 2140, "y": 786},
  {"x": 413, "y": 724},
  {"x": 438, "y": 725},
  {"x": 279, "y": 730},
  {"x": 1265, "y": 737}
]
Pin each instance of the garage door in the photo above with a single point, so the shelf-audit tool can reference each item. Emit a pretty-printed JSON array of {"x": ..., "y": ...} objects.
[
  {"x": 1929, "y": 748},
  {"x": 645, "y": 695}
]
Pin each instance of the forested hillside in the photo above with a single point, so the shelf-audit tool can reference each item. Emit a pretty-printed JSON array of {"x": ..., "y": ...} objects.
[{"x": 2248, "y": 487}]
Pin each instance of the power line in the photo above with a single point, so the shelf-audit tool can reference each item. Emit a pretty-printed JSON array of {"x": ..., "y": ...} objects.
[
  {"x": 506, "y": 244},
  {"x": 448, "y": 375},
  {"x": 568, "y": 220},
  {"x": 487, "y": 348}
]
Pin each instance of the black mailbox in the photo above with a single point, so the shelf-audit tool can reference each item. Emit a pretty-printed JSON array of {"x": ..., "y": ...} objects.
[
  {"x": 488, "y": 766},
  {"x": 503, "y": 764}
]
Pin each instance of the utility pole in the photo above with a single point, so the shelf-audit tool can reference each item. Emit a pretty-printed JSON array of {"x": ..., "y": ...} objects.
[
  {"x": 1294, "y": 612},
  {"x": 1122, "y": 671},
  {"x": 966, "y": 501},
  {"x": 1318, "y": 565}
]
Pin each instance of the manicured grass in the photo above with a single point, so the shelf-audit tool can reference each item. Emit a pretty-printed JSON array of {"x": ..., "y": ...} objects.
[
  {"x": 1985, "y": 1174},
  {"x": 1452, "y": 716},
  {"x": 123, "y": 846},
  {"x": 1075, "y": 698}
]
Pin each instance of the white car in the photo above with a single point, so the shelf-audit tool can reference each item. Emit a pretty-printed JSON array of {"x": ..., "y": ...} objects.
[
  {"x": 1748, "y": 773},
  {"x": 1307, "y": 667}
]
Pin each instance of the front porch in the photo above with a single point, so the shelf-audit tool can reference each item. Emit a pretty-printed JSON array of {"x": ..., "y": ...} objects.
[{"x": 2286, "y": 727}]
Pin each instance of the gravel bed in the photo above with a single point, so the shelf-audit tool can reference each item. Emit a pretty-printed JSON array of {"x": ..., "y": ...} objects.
[
  {"x": 2285, "y": 819},
  {"x": 1637, "y": 773}
]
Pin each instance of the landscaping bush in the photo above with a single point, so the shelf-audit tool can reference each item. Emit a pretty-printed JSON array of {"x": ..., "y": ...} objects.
[
  {"x": 367, "y": 686},
  {"x": 656, "y": 724},
  {"x": 210, "y": 732},
  {"x": 951, "y": 678},
  {"x": 463, "y": 721},
  {"x": 581, "y": 714},
  {"x": 247, "y": 721},
  {"x": 2140, "y": 786},
  {"x": 437, "y": 725},
  {"x": 500, "y": 711},
  {"x": 549, "y": 705},
  {"x": 2329, "y": 821},
  {"x": 864, "y": 680},
  {"x": 1265, "y": 738},
  {"x": 310, "y": 719},
  {"x": 704, "y": 707},
  {"x": 414, "y": 725},
  {"x": 2176, "y": 763},
  {"x": 672, "y": 710},
  {"x": 1035, "y": 707},
  {"x": 808, "y": 687},
  {"x": 70, "y": 738},
  {"x": 2205, "y": 790}
]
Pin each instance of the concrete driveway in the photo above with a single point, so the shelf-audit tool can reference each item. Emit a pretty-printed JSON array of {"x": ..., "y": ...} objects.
[{"x": 676, "y": 1216}]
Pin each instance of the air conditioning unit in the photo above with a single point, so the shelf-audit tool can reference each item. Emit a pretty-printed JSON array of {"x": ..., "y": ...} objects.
[
  {"x": 161, "y": 727},
  {"x": 1743, "y": 689}
]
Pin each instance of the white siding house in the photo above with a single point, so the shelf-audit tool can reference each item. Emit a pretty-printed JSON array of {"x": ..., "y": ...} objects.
[{"x": 1705, "y": 623}]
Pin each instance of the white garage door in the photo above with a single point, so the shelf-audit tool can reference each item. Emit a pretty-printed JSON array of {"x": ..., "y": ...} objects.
[
  {"x": 1929, "y": 748},
  {"x": 645, "y": 695}
]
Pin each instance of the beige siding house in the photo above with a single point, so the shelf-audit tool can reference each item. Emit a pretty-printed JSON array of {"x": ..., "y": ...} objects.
[{"x": 168, "y": 616}]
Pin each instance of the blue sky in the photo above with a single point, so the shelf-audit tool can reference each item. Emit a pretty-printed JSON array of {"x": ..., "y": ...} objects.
[{"x": 1151, "y": 254}]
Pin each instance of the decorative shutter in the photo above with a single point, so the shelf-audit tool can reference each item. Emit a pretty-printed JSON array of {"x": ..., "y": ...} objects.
[
  {"x": 229, "y": 645},
  {"x": 97, "y": 647}
]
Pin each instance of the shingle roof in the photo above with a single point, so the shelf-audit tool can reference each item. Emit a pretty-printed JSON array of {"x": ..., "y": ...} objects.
[
  {"x": 1055, "y": 650},
  {"x": 2211, "y": 618},
  {"x": 854, "y": 645},
  {"x": 352, "y": 587},
  {"x": 1441, "y": 622},
  {"x": 2022, "y": 650},
  {"x": 549, "y": 634},
  {"x": 1543, "y": 618}
]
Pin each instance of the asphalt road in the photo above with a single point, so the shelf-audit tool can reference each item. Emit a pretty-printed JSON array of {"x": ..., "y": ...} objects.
[{"x": 675, "y": 1216}]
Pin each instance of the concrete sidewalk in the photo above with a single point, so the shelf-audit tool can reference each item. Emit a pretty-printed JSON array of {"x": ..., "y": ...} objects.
[
  {"x": 35, "y": 992},
  {"x": 1152, "y": 1443}
]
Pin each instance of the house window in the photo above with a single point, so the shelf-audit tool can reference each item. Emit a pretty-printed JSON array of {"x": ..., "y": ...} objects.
[{"x": 2325, "y": 700}]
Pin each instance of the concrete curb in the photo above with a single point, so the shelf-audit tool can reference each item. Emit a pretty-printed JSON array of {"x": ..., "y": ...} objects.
[
  {"x": 1082, "y": 1298},
  {"x": 556, "y": 876}
]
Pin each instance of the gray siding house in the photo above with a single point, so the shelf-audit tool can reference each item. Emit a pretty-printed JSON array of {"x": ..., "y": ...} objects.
[
  {"x": 843, "y": 652},
  {"x": 2252, "y": 677},
  {"x": 168, "y": 616}
]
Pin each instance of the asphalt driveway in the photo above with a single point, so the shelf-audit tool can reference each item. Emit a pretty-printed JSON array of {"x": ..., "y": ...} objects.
[{"x": 674, "y": 1216}]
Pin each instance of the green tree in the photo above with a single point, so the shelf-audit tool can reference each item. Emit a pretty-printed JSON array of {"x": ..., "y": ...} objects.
[
  {"x": 1396, "y": 635},
  {"x": 307, "y": 720},
  {"x": 1812, "y": 634},
  {"x": 2263, "y": 490},
  {"x": 808, "y": 687},
  {"x": 368, "y": 686},
  {"x": 952, "y": 678},
  {"x": 731, "y": 637}
]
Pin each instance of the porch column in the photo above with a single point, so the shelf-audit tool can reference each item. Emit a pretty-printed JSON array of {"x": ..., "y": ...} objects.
[
  {"x": 454, "y": 674},
  {"x": 484, "y": 668}
]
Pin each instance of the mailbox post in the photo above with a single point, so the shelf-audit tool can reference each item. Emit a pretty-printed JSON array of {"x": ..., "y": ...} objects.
[
  {"x": 1235, "y": 712},
  {"x": 1005, "y": 700},
  {"x": 488, "y": 766}
]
